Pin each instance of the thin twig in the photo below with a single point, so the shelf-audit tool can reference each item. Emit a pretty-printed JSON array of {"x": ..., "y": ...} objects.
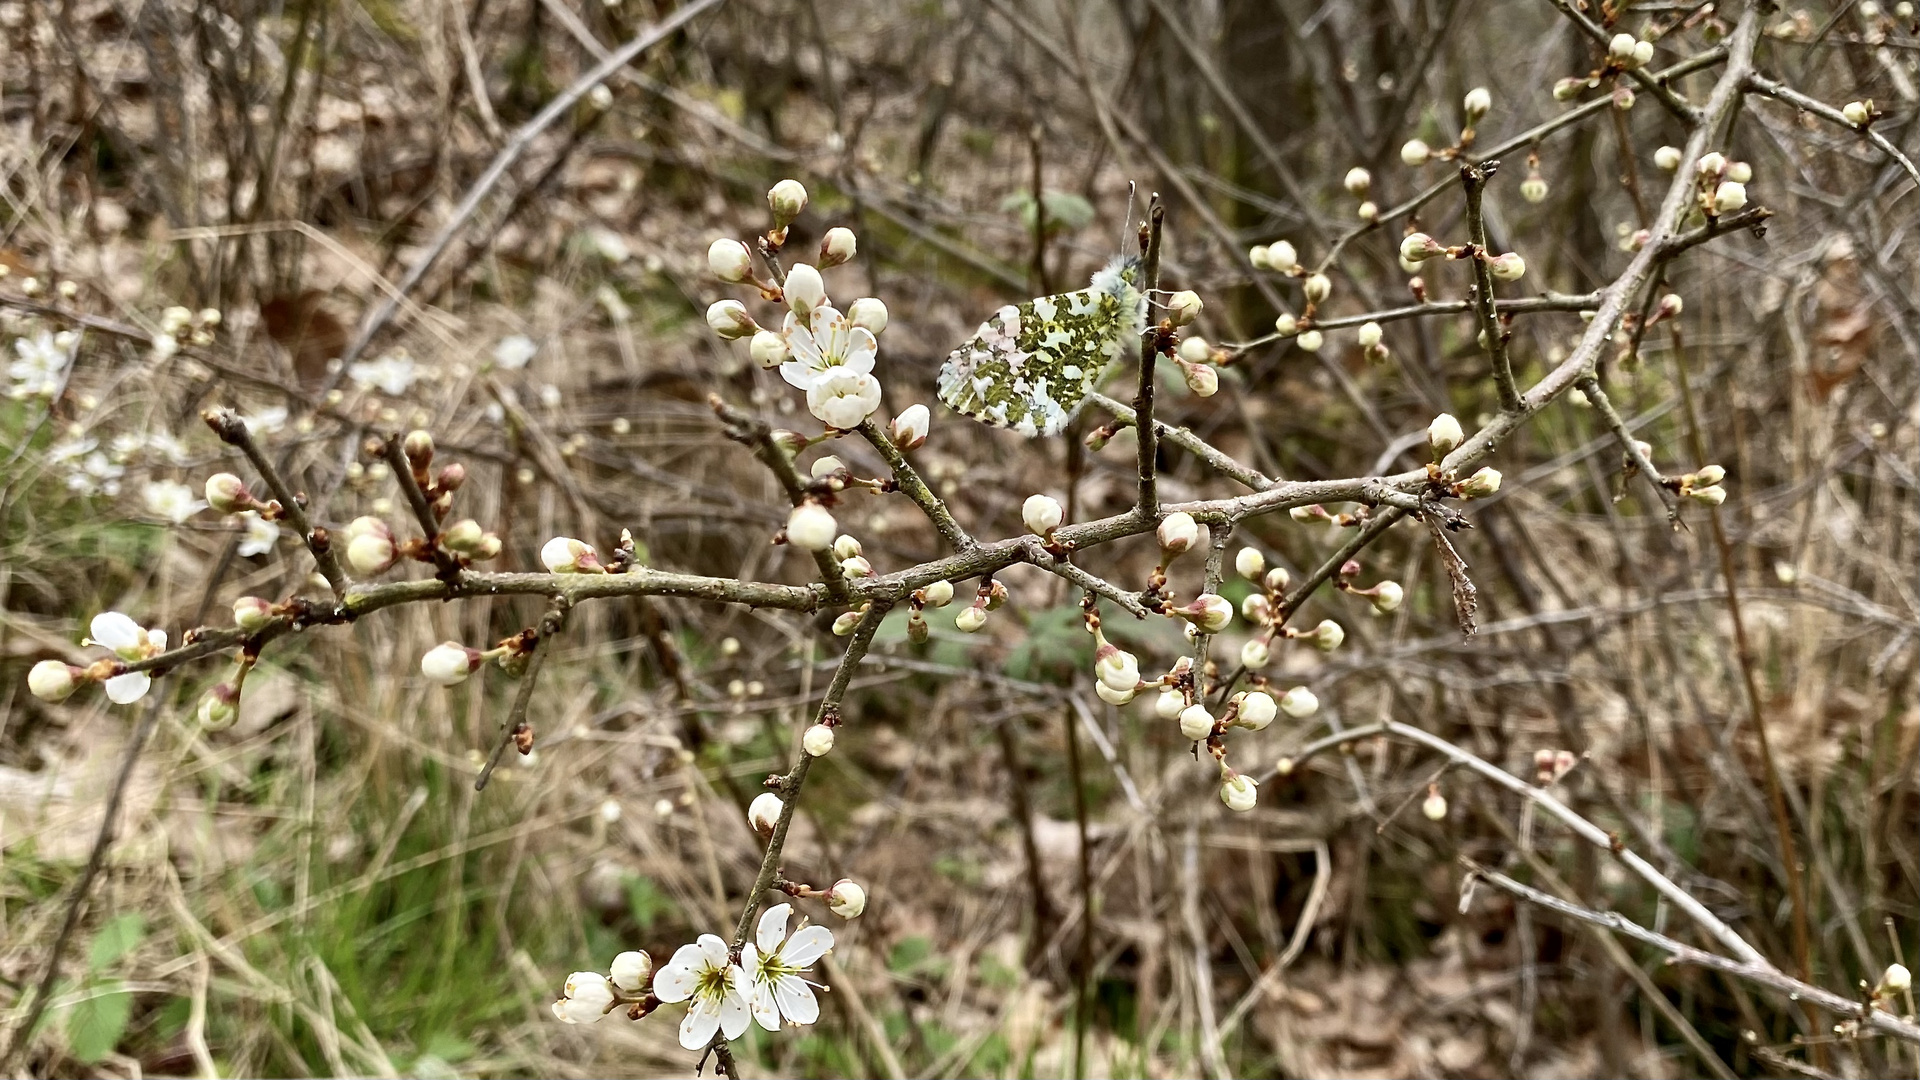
[
  {"x": 910, "y": 482},
  {"x": 1148, "y": 505},
  {"x": 233, "y": 431},
  {"x": 510, "y": 728},
  {"x": 1474, "y": 177}
]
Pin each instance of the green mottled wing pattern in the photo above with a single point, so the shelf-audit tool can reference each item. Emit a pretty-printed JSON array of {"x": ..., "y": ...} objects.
[{"x": 1031, "y": 365}]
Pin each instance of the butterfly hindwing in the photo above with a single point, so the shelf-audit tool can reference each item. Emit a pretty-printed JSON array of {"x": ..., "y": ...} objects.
[{"x": 1031, "y": 365}]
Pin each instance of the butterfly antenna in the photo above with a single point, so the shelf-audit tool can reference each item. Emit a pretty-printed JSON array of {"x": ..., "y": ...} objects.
[{"x": 1128, "y": 223}]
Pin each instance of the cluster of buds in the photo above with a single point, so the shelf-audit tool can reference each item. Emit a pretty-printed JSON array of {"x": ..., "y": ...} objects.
[
  {"x": 1721, "y": 184},
  {"x": 1474, "y": 107},
  {"x": 1624, "y": 53},
  {"x": 1300, "y": 329},
  {"x": 176, "y": 324},
  {"x": 1703, "y": 485},
  {"x": 1861, "y": 113},
  {"x": 1196, "y": 360},
  {"x": 1385, "y": 596},
  {"x": 1418, "y": 247},
  {"x": 588, "y": 995},
  {"x": 1359, "y": 184},
  {"x": 937, "y": 595},
  {"x": 1279, "y": 256},
  {"x": 1549, "y": 766},
  {"x": 989, "y": 596}
]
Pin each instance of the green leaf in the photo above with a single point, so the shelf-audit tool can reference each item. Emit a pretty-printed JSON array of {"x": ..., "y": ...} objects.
[
  {"x": 120, "y": 936},
  {"x": 94, "y": 1026},
  {"x": 646, "y": 902}
]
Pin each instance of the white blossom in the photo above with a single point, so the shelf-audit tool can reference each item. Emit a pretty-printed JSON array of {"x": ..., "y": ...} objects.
[
  {"x": 1299, "y": 703},
  {"x": 823, "y": 344},
  {"x": 171, "y": 500},
  {"x": 774, "y": 962},
  {"x": 128, "y": 640},
  {"x": 585, "y": 998},
  {"x": 514, "y": 351},
  {"x": 391, "y": 374},
  {"x": 261, "y": 536},
  {"x": 448, "y": 663},
  {"x": 39, "y": 362},
  {"x": 847, "y": 899},
  {"x": 1041, "y": 514},
  {"x": 811, "y": 527},
  {"x": 911, "y": 426},
  {"x": 630, "y": 969},
  {"x": 843, "y": 398},
  {"x": 1239, "y": 793},
  {"x": 53, "y": 680},
  {"x": 702, "y": 975},
  {"x": 805, "y": 290}
]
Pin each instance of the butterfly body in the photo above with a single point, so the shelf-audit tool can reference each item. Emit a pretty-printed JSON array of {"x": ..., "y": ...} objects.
[{"x": 1032, "y": 365}]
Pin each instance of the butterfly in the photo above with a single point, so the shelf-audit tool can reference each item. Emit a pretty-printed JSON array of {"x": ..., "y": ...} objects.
[{"x": 1032, "y": 365}]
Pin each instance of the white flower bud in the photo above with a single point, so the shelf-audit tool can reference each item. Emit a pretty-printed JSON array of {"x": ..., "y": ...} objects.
[
  {"x": 1194, "y": 350},
  {"x": 1277, "y": 579},
  {"x": 847, "y": 899},
  {"x": 805, "y": 289},
  {"x": 837, "y": 246},
  {"x": 910, "y": 427},
  {"x": 939, "y": 594},
  {"x": 1111, "y": 696},
  {"x": 1317, "y": 288},
  {"x": 1857, "y": 112},
  {"x": 1476, "y": 104},
  {"x": 1508, "y": 267},
  {"x": 1116, "y": 668},
  {"x": 1299, "y": 703},
  {"x": 1257, "y": 710},
  {"x": 1444, "y": 434},
  {"x": 1568, "y": 88},
  {"x": 1169, "y": 704},
  {"x": 1286, "y": 325},
  {"x": 1484, "y": 482},
  {"x": 763, "y": 813},
  {"x": 1239, "y": 793},
  {"x": 846, "y": 623},
  {"x": 1041, "y": 514},
  {"x": 1896, "y": 978},
  {"x": 869, "y": 314},
  {"x": 565, "y": 555},
  {"x": 1642, "y": 53},
  {"x": 370, "y": 554},
  {"x": 818, "y": 741},
  {"x": 1419, "y": 247},
  {"x": 769, "y": 349},
  {"x": 730, "y": 260},
  {"x": 845, "y": 547},
  {"x": 587, "y": 997},
  {"x": 1249, "y": 563},
  {"x": 856, "y": 567},
  {"x": 1260, "y": 257},
  {"x": 1328, "y": 636},
  {"x": 463, "y": 536},
  {"x": 53, "y": 681},
  {"x": 1256, "y": 609},
  {"x": 1367, "y": 211},
  {"x": 1709, "y": 474},
  {"x": 1711, "y": 164},
  {"x": 1534, "y": 188},
  {"x": 227, "y": 494},
  {"x": 630, "y": 969},
  {"x": 1370, "y": 334},
  {"x": 1434, "y": 806},
  {"x": 1415, "y": 152},
  {"x": 1196, "y": 722},
  {"x": 1310, "y": 340},
  {"x": 1667, "y": 158},
  {"x": 1739, "y": 172},
  {"x": 810, "y": 527},
  {"x": 1358, "y": 180},
  {"x": 1183, "y": 307},
  {"x": 970, "y": 620},
  {"x": 1178, "y": 532},
  {"x": 1256, "y": 653},
  {"x": 251, "y": 612},
  {"x": 1712, "y": 495},
  {"x": 1731, "y": 195},
  {"x": 1387, "y": 597},
  {"x": 449, "y": 663},
  {"x": 1620, "y": 49},
  {"x": 729, "y": 320},
  {"x": 1202, "y": 380},
  {"x": 786, "y": 199}
]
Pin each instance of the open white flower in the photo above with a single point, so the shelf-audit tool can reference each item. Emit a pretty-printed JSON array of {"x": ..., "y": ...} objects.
[
  {"x": 40, "y": 362},
  {"x": 702, "y": 975},
  {"x": 171, "y": 500},
  {"x": 843, "y": 398},
  {"x": 774, "y": 962},
  {"x": 129, "y": 641},
  {"x": 391, "y": 374},
  {"x": 261, "y": 535},
  {"x": 824, "y": 343}
]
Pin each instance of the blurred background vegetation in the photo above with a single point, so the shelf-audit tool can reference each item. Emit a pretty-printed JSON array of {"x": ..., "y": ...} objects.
[{"x": 319, "y": 890}]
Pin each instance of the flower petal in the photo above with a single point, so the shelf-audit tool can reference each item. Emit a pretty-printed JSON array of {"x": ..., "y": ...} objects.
[
  {"x": 773, "y": 929},
  {"x": 765, "y": 1009},
  {"x": 713, "y": 951},
  {"x": 112, "y": 630},
  {"x": 129, "y": 688},
  {"x": 676, "y": 981},
  {"x": 796, "y": 999},
  {"x": 734, "y": 1016},
  {"x": 696, "y": 1031},
  {"x": 157, "y": 640},
  {"x": 809, "y": 943}
]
